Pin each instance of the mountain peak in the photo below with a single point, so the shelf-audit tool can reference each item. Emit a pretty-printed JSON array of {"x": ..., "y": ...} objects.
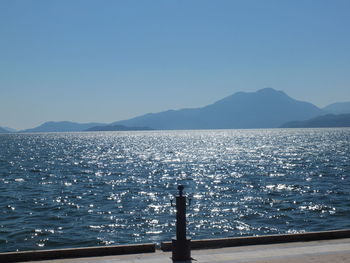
[
  {"x": 265, "y": 94},
  {"x": 269, "y": 90}
]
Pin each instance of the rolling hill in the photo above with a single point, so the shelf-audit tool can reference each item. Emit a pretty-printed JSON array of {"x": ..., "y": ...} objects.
[
  {"x": 62, "y": 126},
  {"x": 338, "y": 108},
  {"x": 329, "y": 120}
]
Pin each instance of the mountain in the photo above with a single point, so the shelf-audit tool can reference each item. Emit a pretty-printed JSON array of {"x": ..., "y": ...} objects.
[
  {"x": 338, "y": 108},
  {"x": 7, "y": 129},
  {"x": 329, "y": 120},
  {"x": 62, "y": 126},
  {"x": 266, "y": 108},
  {"x": 117, "y": 128},
  {"x": 3, "y": 130}
]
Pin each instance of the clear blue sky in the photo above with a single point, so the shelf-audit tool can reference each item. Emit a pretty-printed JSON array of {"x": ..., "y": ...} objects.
[{"x": 106, "y": 60}]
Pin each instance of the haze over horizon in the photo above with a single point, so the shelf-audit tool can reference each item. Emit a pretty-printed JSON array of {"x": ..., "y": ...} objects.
[{"x": 93, "y": 61}]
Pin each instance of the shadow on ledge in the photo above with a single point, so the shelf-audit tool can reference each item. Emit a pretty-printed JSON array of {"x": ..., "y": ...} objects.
[{"x": 192, "y": 260}]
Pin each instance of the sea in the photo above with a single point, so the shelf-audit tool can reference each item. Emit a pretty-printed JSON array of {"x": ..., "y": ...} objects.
[{"x": 60, "y": 190}]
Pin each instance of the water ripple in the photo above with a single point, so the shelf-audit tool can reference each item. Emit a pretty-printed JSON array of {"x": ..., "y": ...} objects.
[{"x": 88, "y": 189}]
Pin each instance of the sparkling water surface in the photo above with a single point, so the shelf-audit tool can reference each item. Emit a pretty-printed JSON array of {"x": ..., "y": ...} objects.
[{"x": 61, "y": 190}]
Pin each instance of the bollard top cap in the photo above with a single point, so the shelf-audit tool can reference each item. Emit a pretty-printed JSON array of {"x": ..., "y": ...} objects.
[{"x": 180, "y": 188}]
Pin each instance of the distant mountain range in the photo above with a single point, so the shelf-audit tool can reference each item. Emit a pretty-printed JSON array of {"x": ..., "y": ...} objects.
[
  {"x": 63, "y": 126},
  {"x": 118, "y": 128},
  {"x": 67, "y": 126},
  {"x": 329, "y": 120},
  {"x": 338, "y": 108},
  {"x": 265, "y": 108}
]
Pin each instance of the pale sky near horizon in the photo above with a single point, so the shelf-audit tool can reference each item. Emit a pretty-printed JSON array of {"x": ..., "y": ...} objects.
[{"x": 103, "y": 61}]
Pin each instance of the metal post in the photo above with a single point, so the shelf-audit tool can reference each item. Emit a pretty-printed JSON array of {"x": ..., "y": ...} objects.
[{"x": 181, "y": 245}]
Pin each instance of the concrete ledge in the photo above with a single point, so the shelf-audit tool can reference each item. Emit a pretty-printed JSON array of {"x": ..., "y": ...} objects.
[
  {"x": 76, "y": 252},
  {"x": 167, "y": 246},
  {"x": 262, "y": 240}
]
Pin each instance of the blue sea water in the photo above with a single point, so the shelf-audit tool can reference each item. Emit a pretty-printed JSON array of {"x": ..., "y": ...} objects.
[{"x": 61, "y": 190}]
